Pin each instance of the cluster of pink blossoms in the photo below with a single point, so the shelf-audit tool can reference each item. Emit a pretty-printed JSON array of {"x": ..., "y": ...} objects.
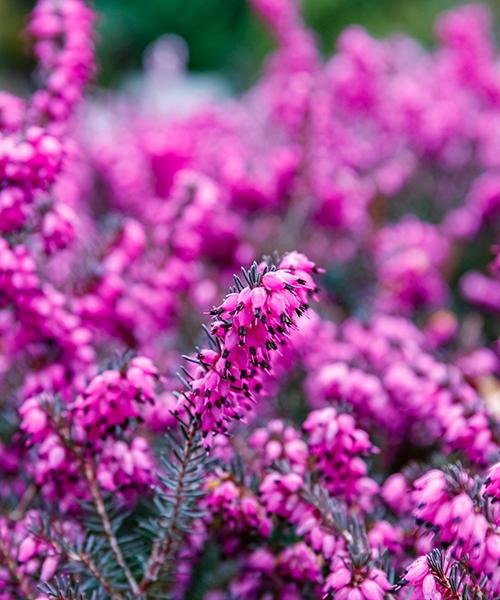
[
  {"x": 31, "y": 555},
  {"x": 251, "y": 323},
  {"x": 334, "y": 434},
  {"x": 32, "y": 141},
  {"x": 391, "y": 376}
]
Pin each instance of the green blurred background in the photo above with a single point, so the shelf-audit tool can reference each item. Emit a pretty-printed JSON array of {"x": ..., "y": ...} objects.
[{"x": 222, "y": 35}]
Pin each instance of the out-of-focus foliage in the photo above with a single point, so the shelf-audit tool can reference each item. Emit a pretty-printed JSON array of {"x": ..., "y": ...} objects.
[{"x": 222, "y": 35}]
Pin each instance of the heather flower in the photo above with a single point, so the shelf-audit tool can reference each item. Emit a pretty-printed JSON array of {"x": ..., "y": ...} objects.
[
  {"x": 32, "y": 147},
  {"x": 238, "y": 509},
  {"x": 11, "y": 112},
  {"x": 466, "y": 36},
  {"x": 410, "y": 257},
  {"x": 338, "y": 446},
  {"x": 58, "y": 228},
  {"x": 420, "y": 577},
  {"x": 278, "y": 441},
  {"x": 390, "y": 377},
  {"x": 348, "y": 581},
  {"x": 446, "y": 504},
  {"x": 31, "y": 558},
  {"x": 436, "y": 575},
  {"x": 253, "y": 321},
  {"x": 299, "y": 562},
  {"x": 196, "y": 222},
  {"x": 27, "y": 165},
  {"x": 481, "y": 206},
  {"x": 481, "y": 290},
  {"x": 113, "y": 398},
  {"x": 386, "y": 536},
  {"x": 63, "y": 45},
  {"x": 493, "y": 482},
  {"x": 279, "y": 494},
  {"x": 480, "y": 362},
  {"x": 395, "y": 491},
  {"x": 34, "y": 418},
  {"x": 123, "y": 464},
  {"x": 287, "y": 574},
  {"x": 285, "y": 495}
]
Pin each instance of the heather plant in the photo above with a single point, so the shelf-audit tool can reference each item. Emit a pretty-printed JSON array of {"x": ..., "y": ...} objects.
[{"x": 249, "y": 346}]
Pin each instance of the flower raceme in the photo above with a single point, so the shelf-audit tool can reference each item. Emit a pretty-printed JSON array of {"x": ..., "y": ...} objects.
[
  {"x": 338, "y": 446},
  {"x": 447, "y": 503},
  {"x": 437, "y": 576},
  {"x": 100, "y": 424},
  {"x": 368, "y": 583},
  {"x": 32, "y": 151},
  {"x": 63, "y": 34},
  {"x": 31, "y": 556},
  {"x": 237, "y": 505},
  {"x": 492, "y": 482},
  {"x": 112, "y": 398},
  {"x": 253, "y": 321}
]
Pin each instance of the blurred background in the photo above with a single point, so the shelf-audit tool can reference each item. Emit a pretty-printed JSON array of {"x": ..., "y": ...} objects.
[{"x": 223, "y": 36}]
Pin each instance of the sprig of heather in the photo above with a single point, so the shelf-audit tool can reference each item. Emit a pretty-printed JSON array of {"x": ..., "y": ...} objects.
[
  {"x": 98, "y": 427},
  {"x": 32, "y": 148},
  {"x": 64, "y": 47},
  {"x": 87, "y": 448},
  {"x": 458, "y": 509},
  {"x": 252, "y": 323},
  {"x": 438, "y": 575}
]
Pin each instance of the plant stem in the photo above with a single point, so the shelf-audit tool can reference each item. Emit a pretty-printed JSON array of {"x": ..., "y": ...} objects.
[
  {"x": 92, "y": 567},
  {"x": 20, "y": 510},
  {"x": 74, "y": 555},
  {"x": 89, "y": 473},
  {"x": 165, "y": 547},
  {"x": 108, "y": 530}
]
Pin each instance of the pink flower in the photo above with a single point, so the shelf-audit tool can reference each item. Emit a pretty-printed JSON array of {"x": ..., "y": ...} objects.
[
  {"x": 251, "y": 323},
  {"x": 338, "y": 446},
  {"x": 34, "y": 418},
  {"x": 113, "y": 398},
  {"x": 493, "y": 481},
  {"x": 347, "y": 581}
]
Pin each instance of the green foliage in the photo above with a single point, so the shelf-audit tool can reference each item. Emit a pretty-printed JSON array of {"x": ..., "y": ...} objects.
[
  {"x": 176, "y": 503},
  {"x": 212, "y": 29},
  {"x": 222, "y": 35},
  {"x": 66, "y": 588}
]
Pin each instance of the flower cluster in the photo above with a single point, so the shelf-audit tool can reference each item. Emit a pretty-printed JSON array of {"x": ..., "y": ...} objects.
[
  {"x": 371, "y": 584},
  {"x": 252, "y": 322},
  {"x": 237, "y": 507},
  {"x": 338, "y": 446},
  {"x": 34, "y": 557},
  {"x": 32, "y": 141},
  {"x": 388, "y": 372},
  {"x": 438, "y": 575},
  {"x": 113, "y": 398},
  {"x": 63, "y": 47},
  {"x": 446, "y": 503}
]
